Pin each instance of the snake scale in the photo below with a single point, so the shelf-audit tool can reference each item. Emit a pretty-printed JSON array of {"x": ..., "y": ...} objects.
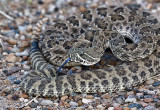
[{"x": 84, "y": 38}]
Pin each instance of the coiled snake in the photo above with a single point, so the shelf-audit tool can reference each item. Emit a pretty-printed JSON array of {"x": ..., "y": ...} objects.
[{"x": 84, "y": 38}]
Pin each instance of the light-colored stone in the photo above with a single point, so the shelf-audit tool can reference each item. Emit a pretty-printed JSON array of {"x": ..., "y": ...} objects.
[
  {"x": 130, "y": 100},
  {"x": 46, "y": 102},
  {"x": 84, "y": 100},
  {"x": 11, "y": 58}
]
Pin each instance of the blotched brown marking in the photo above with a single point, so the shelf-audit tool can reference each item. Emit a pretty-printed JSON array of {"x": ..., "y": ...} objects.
[
  {"x": 71, "y": 80},
  {"x": 59, "y": 82},
  {"x": 50, "y": 91},
  {"x": 135, "y": 78},
  {"x": 119, "y": 9},
  {"x": 125, "y": 80},
  {"x": 104, "y": 82},
  {"x": 61, "y": 25},
  {"x": 115, "y": 17},
  {"x": 44, "y": 82},
  {"x": 86, "y": 76},
  {"x": 102, "y": 11},
  {"x": 65, "y": 84},
  {"x": 73, "y": 20},
  {"x": 133, "y": 67},
  {"x": 148, "y": 63},
  {"x": 141, "y": 21},
  {"x": 151, "y": 70},
  {"x": 74, "y": 30},
  {"x": 131, "y": 18},
  {"x": 100, "y": 74},
  {"x": 83, "y": 84},
  {"x": 146, "y": 14},
  {"x": 66, "y": 91},
  {"x": 91, "y": 84},
  {"x": 86, "y": 15},
  {"x": 50, "y": 86},
  {"x": 120, "y": 71},
  {"x": 115, "y": 80},
  {"x": 143, "y": 74},
  {"x": 101, "y": 23},
  {"x": 95, "y": 80}
]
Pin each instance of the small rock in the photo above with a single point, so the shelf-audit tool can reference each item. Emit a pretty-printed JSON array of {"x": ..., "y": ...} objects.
[
  {"x": 100, "y": 107},
  {"x": 25, "y": 100},
  {"x": 12, "y": 41},
  {"x": 120, "y": 101},
  {"x": 138, "y": 106},
  {"x": 24, "y": 96},
  {"x": 139, "y": 95},
  {"x": 33, "y": 105},
  {"x": 15, "y": 97},
  {"x": 156, "y": 83},
  {"x": 11, "y": 58},
  {"x": 35, "y": 100},
  {"x": 17, "y": 82},
  {"x": 46, "y": 102},
  {"x": 24, "y": 53},
  {"x": 149, "y": 108},
  {"x": 130, "y": 100},
  {"x": 64, "y": 97},
  {"x": 134, "y": 108},
  {"x": 111, "y": 108},
  {"x": 126, "y": 108},
  {"x": 106, "y": 96},
  {"x": 84, "y": 100},
  {"x": 148, "y": 99},
  {"x": 157, "y": 105},
  {"x": 14, "y": 69},
  {"x": 89, "y": 97},
  {"x": 118, "y": 108},
  {"x": 116, "y": 105},
  {"x": 73, "y": 104},
  {"x": 21, "y": 99},
  {"x": 123, "y": 93}
]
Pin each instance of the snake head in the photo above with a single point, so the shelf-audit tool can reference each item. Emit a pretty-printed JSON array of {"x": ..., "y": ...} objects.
[{"x": 84, "y": 56}]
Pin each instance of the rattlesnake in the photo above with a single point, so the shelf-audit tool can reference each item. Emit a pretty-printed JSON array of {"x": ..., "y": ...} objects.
[{"x": 84, "y": 39}]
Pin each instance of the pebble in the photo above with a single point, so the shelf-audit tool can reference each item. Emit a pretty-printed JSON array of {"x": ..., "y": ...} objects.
[
  {"x": 116, "y": 105},
  {"x": 17, "y": 82},
  {"x": 118, "y": 108},
  {"x": 73, "y": 104},
  {"x": 24, "y": 96},
  {"x": 156, "y": 83},
  {"x": 111, "y": 108},
  {"x": 149, "y": 108},
  {"x": 14, "y": 69},
  {"x": 24, "y": 53},
  {"x": 89, "y": 96},
  {"x": 21, "y": 99},
  {"x": 120, "y": 101},
  {"x": 25, "y": 100},
  {"x": 138, "y": 106},
  {"x": 130, "y": 100},
  {"x": 148, "y": 99},
  {"x": 11, "y": 58},
  {"x": 46, "y": 102},
  {"x": 15, "y": 97},
  {"x": 100, "y": 107},
  {"x": 33, "y": 105},
  {"x": 64, "y": 97},
  {"x": 84, "y": 100}
]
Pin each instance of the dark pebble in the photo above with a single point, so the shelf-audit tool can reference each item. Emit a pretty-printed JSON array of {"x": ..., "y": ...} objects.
[
  {"x": 11, "y": 78},
  {"x": 156, "y": 83},
  {"x": 33, "y": 105},
  {"x": 157, "y": 105},
  {"x": 138, "y": 106},
  {"x": 17, "y": 82},
  {"x": 15, "y": 97},
  {"x": 44, "y": 108},
  {"x": 155, "y": 99},
  {"x": 7, "y": 73},
  {"x": 40, "y": 2}
]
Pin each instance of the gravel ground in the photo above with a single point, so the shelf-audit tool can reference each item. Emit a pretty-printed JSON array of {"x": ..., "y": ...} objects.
[{"x": 16, "y": 24}]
